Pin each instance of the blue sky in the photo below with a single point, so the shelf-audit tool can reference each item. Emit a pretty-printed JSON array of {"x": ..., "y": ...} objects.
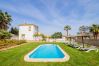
[{"x": 52, "y": 15}]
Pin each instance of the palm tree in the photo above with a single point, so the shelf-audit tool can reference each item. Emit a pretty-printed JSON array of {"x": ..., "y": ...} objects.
[
  {"x": 83, "y": 29},
  {"x": 95, "y": 30},
  {"x": 5, "y": 20},
  {"x": 67, "y": 28}
]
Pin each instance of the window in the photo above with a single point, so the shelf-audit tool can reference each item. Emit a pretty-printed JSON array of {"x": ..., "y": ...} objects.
[
  {"x": 29, "y": 28},
  {"x": 23, "y": 36}
]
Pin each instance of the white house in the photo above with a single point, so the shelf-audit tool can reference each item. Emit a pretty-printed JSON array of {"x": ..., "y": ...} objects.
[{"x": 26, "y": 31}]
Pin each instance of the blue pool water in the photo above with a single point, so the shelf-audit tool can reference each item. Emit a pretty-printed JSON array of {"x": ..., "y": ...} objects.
[{"x": 47, "y": 51}]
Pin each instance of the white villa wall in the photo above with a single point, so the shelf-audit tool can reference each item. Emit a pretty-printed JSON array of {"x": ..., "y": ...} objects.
[{"x": 28, "y": 33}]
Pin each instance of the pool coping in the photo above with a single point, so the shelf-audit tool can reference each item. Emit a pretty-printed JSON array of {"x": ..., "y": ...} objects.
[{"x": 66, "y": 57}]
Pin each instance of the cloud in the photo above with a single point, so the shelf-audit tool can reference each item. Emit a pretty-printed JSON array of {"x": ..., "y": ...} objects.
[{"x": 53, "y": 15}]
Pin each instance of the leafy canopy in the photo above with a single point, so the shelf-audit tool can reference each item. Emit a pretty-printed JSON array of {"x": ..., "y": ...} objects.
[{"x": 57, "y": 35}]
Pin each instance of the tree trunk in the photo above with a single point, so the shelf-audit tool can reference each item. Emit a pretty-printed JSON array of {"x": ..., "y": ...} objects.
[
  {"x": 67, "y": 32},
  {"x": 94, "y": 35}
]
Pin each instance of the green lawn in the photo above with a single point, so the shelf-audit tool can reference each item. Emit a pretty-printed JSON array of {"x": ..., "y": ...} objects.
[{"x": 14, "y": 57}]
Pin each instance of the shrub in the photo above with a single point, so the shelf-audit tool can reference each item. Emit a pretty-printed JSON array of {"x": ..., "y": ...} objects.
[
  {"x": 4, "y": 34},
  {"x": 8, "y": 43}
]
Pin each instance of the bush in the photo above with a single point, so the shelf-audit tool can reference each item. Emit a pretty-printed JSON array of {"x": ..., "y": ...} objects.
[
  {"x": 4, "y": 34},
  {"x": 8, "y": 43}
]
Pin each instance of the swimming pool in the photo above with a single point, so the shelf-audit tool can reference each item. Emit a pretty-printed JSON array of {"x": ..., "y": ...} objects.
[{"x": 47, "y": 53}]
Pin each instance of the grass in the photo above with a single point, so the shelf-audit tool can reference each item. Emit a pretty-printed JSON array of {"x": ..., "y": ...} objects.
[{"x": 14, "y": 57}]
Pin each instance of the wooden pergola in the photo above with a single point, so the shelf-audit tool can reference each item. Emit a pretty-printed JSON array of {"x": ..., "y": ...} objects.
[
  {"x": 70, "y": 37},
  {"x": 82, "y": 37}
]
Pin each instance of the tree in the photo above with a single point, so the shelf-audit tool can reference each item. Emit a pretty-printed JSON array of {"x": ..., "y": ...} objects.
[
  {"x": 67, "y": 28},
  {"x": 56, "y": 35},
  {"x": 37, "y": 34},
  {"x": 40, "y": 35},
  {"x": 43, "y": 36},
  {"x": 95, "y": 30},
  {"x": 5, "y": 20},
  {"x": 14, "y": 30},
  {"x": 83, "y": 29}
]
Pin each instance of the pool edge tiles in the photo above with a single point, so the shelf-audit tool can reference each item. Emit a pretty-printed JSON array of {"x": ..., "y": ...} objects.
[{"x": 28, "y": 59}]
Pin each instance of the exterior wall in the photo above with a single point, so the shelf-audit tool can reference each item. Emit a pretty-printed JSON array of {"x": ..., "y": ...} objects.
[{"x": 26, "y": 32}]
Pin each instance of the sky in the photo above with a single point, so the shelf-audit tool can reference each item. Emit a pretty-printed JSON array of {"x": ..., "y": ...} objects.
[{"x": 52, "y": 15}]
